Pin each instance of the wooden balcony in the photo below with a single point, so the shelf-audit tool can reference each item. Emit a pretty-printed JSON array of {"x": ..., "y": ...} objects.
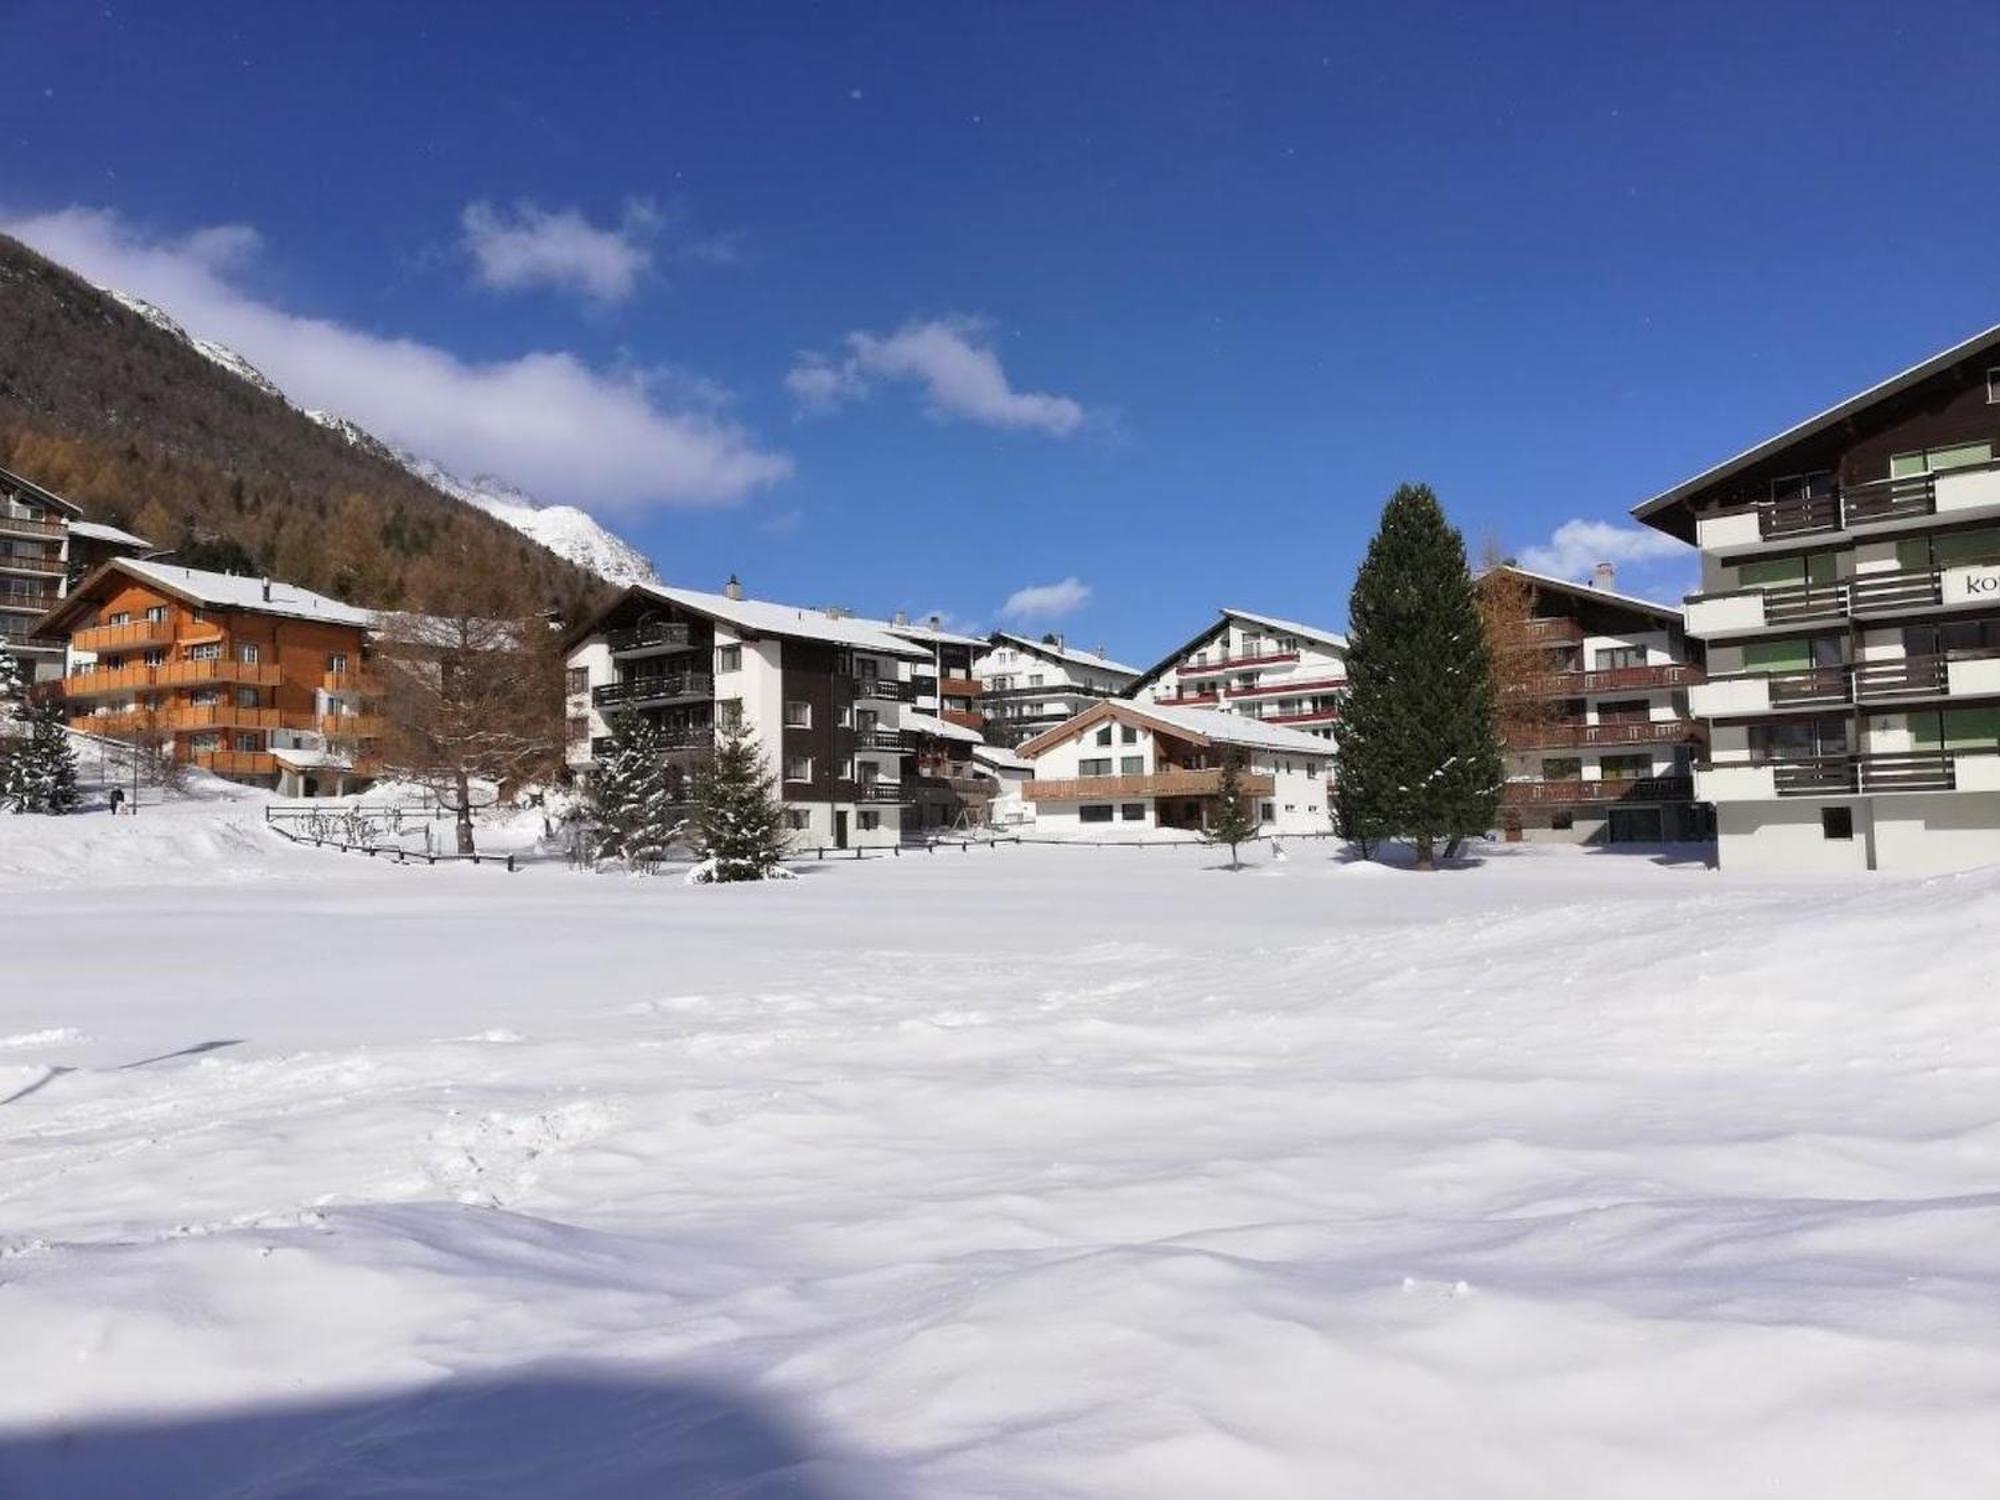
[
  {"x": 108, "y": 681},
  {"x": 963, "y": 718},
  {"x": 236, "y": 762},
  {"x": 1556, "y": 632},
  {"x": 1566, "y": 733},
  {"x": 1614, "y": 680},
  {"x": 1579, "y": 792},
  {"x": 133, "y": 635},
  {"x": 655, "y": 688},
  {"x": 881, "y": 741},
  {"x": 31, "y": 526},
  {"x": 348, "y": 683},
  {"x": 1178, "y": 783},
  {"x": 21, "y": 562},
  {"x": 958, "y": 687},
  {"x": 1190, "y": 700},
  {"x": 652, "y": 635},
  {"x": 351, "y": 726}
]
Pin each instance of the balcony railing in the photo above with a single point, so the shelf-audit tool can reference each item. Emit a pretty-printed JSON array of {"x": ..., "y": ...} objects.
[
  {"x": 1554, "y": 632},
  {"x": 21, "y": 562},
  {"x": 1872, "y": 502},
  {"x": 1235, "y": 663},
  {"x": 35, "y": 526},
  {"x": 878, "y": 791},
  {"x": 652, "y": 633},
  {"x": 1178, "y": 783},
  {"x": 883, "y": 689},
  {"x": 105, "y": 681},
  {"x": 666, "y": 688},
  {"x": 881, "y": 739},
  {"x": 1611, "y": 789},
  {"x": 352, "y": 726},
  {"x": 1614, "y": 680},
  {"x": 236, "y": 762},
  {"x": 1842, "y": 775},
  {"x": 963, "y": 718},
  {"x": 1563, "y": 733},
  {"x": 130, "y": 636},
  {"x": 958, "y": 687}
]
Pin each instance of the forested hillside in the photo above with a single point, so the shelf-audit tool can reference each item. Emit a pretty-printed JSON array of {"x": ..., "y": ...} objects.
[{"x": 100, "y": 405}]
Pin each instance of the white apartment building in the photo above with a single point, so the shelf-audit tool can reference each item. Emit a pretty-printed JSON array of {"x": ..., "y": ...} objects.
[
  {"x": 1121, "y": 767},
  {"x": 1608, "y": 754},
  {"x": 1850, "y": 603},
  {"x": 822, "y": 692},
  {"x": 1276, "y": 671},
  {"x": 1027, "y": 686}
]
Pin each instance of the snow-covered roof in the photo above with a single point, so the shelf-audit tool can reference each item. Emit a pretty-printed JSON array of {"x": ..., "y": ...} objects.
[
  {"x": 1290, "y": 627},
  {"x": 97, "y": 531},
  {"x": 1066, "y": 653},
  {"x": 915, "y": 632},
  {"x": 768, "y": 618},
  {"x": 310, "y": 760},
  {"x": 943, "y": 729},
  {"x": 1235, "y": 729},
  {"x": 226, "y": 591},
  {"x": 1587, "y": 590},
  {"x": 1001, "y": 756}
]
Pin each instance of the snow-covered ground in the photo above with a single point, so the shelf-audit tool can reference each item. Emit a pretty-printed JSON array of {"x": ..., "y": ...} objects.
[{"x": 1017, "y": 1172}]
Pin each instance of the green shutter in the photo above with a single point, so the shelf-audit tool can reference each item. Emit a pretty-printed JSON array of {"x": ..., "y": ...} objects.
[
  {"x": 1777, "y": 656},
  {"x": 1770, "y": 573},
  {"x": 1971, "y": 728},
  {"x": 1960, "y": 455},
  {"x": 1903, "y": 465}
]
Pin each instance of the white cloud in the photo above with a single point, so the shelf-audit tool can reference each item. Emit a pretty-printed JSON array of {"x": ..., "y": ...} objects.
[
  {"x": 951, "y": 360},
  {"x": 546, "y": 421},
  {"x": 1578, "y": 546},
  {"x": 531, "y": 247},
  {"x": 1046, "y": 601}
]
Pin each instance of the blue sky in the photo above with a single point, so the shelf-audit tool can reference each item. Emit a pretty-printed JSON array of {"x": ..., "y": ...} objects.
[{"x": 1144, "y": 307}]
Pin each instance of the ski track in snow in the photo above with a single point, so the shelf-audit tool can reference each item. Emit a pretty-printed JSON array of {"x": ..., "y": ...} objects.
[{"x": 1022, "y": 1172}]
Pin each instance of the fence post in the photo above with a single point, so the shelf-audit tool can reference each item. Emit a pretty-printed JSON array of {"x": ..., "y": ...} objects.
[{"x": 510, "y": 864}]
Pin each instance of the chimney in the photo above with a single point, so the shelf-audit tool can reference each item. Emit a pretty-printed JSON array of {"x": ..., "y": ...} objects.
[
  {"x": 902, "y": 617},
  {"x": 1603, "y": 576},
  {"x": 937, "y": 622},
  {"x": 733, "y": 589},
  {"x": 267, "y": 591}
]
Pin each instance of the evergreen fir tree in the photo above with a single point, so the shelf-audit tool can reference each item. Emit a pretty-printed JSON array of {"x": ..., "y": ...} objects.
[
  {"x": 13, "y": 716},
  {"x": 41, "y": 775},
  {"x": 738, "y": 827},
  {"x": 631, "y": 796},
  {"x": 1234, "y": 818},
  {"x": 1418, "y": 757}
]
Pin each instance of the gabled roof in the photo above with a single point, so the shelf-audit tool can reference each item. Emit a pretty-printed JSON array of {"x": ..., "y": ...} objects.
[
  {"x": 1216, "y": 626},
  {"x": 196, "y": 586},
  {"x": 1062, "y": 653},
  {"x": 1002, "y": 757},
  {"x": 1200, "y": 726},
  {"x": 10, "y": 480},
  {"x": 912, "y": 631},
  {"x": 97, "y": 531},
  {"x": 1587, "y": 591},
  {"x": 1656, "y": 511},
  {"x": 763, "y": 617},
  {"x": 940, "y": 729}
]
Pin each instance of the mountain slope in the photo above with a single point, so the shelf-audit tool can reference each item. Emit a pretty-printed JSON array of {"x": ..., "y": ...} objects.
[{"x": 127, "y": 414}]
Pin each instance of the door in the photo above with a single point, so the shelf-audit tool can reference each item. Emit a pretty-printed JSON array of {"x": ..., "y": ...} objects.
[{"x": 840, "y": 830}]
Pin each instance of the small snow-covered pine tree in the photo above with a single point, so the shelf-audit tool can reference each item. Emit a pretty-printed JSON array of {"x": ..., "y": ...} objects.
[
  {"x": 40, "y": 774},
  {"x": 1234, "y": 818},
  {"x": 738, "y": 827},
  {"x": 632, "y": 804},
  {"x": 13, "y": 715}
]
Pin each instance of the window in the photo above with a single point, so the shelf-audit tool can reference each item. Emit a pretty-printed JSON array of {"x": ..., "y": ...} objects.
[
  {"x": 1798, "y": 739},
  {"x": 1624, "y": 711},
  {"x": 1797, "y": 487},
  {"x": 1611, "y": 658},
  {"x": 577, "y": 680},
  {"x": 797, "y": 820},
  {"x": 1128, "y": 735},
  {"x": 798, "y": 768},
  {"x": 337, "y": 662},
  {"x": 729, "y": 714},
  {"x": 123, "y": 617},
  {"x": 576, "y": 730},
  {"x": 1132, "y": 765},
  {"x": 247, "y": 743},
  {"x": 156, "y": 614},
  {"x": 1132, "y": 812},
  {"x": 1094, "y": 766},
  {"x": 155, "y": 658},
  {"x": 249, "y": 653},
  {"x": 1562, "y": 768},
  {"x": 246, "y": 697},
  {"x": 206, "y": 744},
  {"x": 1268, "y": 813},
  {"x": 870, "y": 821},
  {"x": 1627, "y": 767},
  {"x": 206, "y": 651},
  {"x": 1094, "y": 812},
  {"x": 1836, "y": 823},
  {"x": 1035, "y": 679},
  {"x": 1931, "y": 460},
  {"x": 1104, "y": 735},
  {"x": 798, "y": 716}
]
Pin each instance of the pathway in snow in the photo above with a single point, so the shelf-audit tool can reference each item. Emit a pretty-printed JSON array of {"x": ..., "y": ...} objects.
[{"x": 1019, "y": 1172}]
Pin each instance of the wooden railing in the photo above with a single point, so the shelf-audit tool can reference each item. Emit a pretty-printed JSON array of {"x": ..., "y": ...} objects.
[
  {"x": 15, "y": 525},
  {"x": 236, "y": 762},
  {"x": 880, "y": 739},
  {"x": 654, "y": 689},
  {"x": 104, "y": 681},
  {"x": 652, "y": 633},
  {"x": 21, "y": 562},
  {"x": 1871, "y": 502},
  {"x": 958, "y": 687},
  {"x": 1232, "y": 663},
  {"x": 1614, "y": 680},
  {"x": 1553, "y": 632},
  {"x": 1635, "y": 789},
  {"x": 129, "y": 636},
  {"x": 1561, "y": 733},
  {"x": 352, "y": 726},
  {"x": 1179, "y": 783}
]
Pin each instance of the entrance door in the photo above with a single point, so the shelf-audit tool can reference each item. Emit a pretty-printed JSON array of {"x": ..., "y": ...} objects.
[{"x": 840, "y": 830}]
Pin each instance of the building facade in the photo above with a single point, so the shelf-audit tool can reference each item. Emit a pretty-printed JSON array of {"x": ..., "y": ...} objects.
[
  {"x": 1029, "y": 686},
  {"x": 822, "y": 692},
  {"x": 45, "y": 546},
  {"x": 1601, "y": 745},
  {"x": 1121, "y": 767},
  {"x": 1275, "y": 671},
  {"x": 253, "y": 680},
  {"x": 1850, "y": 604}
]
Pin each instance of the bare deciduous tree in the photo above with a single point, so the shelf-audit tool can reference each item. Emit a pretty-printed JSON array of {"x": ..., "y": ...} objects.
[{"x": 471, "y": 684}]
